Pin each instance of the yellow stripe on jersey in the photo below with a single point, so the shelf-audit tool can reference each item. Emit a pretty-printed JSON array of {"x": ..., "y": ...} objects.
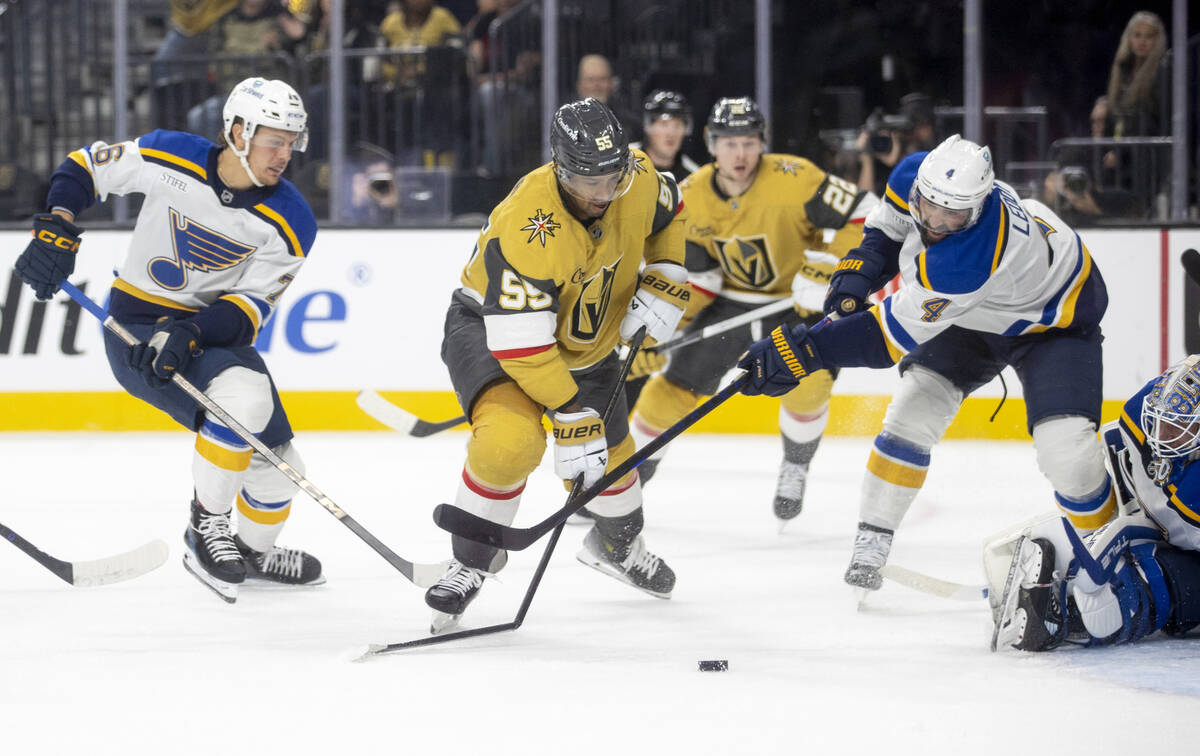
[
  {"x": 183, "y": 163},
  {"x": 250, "y": 310},
  {"x": 133, "y": 291},
  {"x": 219, "y": 456},
  {"x": 1001, "y": 238},
  {"x": 894, "y": 349},
  {"x": 80, "y": 158},
  {"x": 895, "y": 198},
  {"x": 894, "y": 472},
  {"x": 1182, "y": 508},
  {"x": 922, "y": 274},
  {"x": 288, "y": 235},
  {"x": 1133, "y": 428},
  {"x": 1068, "y": 308},
  {"x": 263, "y": 516}
]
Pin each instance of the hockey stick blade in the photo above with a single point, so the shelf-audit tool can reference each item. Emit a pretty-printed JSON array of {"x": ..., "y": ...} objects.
[
  {"x": 931, "y": 585},
  {"x": 473, "y": 527},
  {"x": 113, "y": 569},
  {"x": 422, "y": 575},
  {"x": 401, "y": 420},
  {"x": 1191, "y": 264}
]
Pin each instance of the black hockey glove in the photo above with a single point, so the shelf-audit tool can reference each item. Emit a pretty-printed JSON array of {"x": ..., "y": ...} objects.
[
  {"x": 852, "y": 282},
  {"x": 50, "y": 257},
  {"x": 780, "y": 361},
  {"x": 167, "y": 352}
]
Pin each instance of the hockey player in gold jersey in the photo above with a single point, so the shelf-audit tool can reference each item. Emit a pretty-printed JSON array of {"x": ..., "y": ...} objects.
[
  {"x": 756, "y": 233},
  {"x": 551, "y": 288}
]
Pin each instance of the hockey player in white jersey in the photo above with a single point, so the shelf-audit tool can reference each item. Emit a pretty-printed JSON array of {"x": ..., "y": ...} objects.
[
  {"x": 1139, "y": 572},
  {"x": 987, "y": 280},
  {"x": 218, "y": 239}
]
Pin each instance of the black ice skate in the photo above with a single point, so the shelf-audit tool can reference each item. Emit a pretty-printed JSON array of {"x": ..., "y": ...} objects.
[
  {"x": 637, "y": 567},
  {"x": 871, "y": 547},
  {"x": 452, "y": 594},
  {"x": 279, "y": 565},
  {"x": 789, "y": 491},
  {"x": 211, "y": 555},
  {"x": 1031, "y": 607},
  {"x": 581, "y": 517}
]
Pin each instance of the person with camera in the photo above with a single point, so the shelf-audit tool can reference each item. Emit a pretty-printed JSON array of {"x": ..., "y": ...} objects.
[
  {"x": 886, "y": 139},
  {"x": 1073, "y": 193}
]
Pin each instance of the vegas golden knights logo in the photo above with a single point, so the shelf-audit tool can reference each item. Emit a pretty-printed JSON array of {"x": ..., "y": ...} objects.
[
  {"x": 746, "y": 260},
  {"x": 588, "y": 313}
]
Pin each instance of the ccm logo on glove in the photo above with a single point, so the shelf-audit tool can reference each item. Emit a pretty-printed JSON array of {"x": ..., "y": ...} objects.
[{"x": 62, "y": 242}]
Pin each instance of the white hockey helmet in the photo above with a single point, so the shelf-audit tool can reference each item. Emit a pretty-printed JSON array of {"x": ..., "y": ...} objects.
[
  {"x": 262, "y": 102},
  {"x": 1171, "y": 411},
  {"x": 957, "y": 178}
]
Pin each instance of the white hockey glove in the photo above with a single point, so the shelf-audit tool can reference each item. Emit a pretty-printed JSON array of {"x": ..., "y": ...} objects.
[
  {"x": 808, "y": 295},
  {"x": 659, "y": 302},
  {"x": 579, "y": 445}
]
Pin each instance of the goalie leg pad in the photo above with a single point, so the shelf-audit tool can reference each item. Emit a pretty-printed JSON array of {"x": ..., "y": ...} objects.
[
  {"x": 1181, "y": 573},
  {"x": 507, "y": 437},
  {"x": 1069, "y": 454}
]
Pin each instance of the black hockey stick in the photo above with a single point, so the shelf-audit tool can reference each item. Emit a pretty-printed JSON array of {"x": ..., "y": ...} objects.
[
  {"x": 423, "y": 575},
  {"x": 403, "y": 421},
  {"x": 145, "y": 558},
  {"x": 463, "y": 523},
  {"x": 1191, "y": 264},
  {"x": 618, "y": 389}
]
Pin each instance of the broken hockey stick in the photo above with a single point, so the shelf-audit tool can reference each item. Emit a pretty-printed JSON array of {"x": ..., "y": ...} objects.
[
  {"x": 463, "y": 523},
  {"x": 403, "y": 421},
  {"x": 423, "y": 575},
  {"x": 618, "y": 390},
  {"x": 931, "y": 585},
  {"x": 145, "y": 558}
]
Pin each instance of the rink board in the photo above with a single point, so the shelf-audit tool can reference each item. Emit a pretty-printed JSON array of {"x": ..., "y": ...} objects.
[{"x": 366, "y": 312}]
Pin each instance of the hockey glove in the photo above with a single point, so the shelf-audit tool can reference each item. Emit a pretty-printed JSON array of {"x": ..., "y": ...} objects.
[
  {"x": 646, "y": 362},
  {"x": 579, "y": 445},
  {"x": 853, "y": 281},
  {"x": 50, "y": 257},
  {"x": 777, "y": 363},
  {"x": 658, "y": 303},
  {"x": 168, "y": 351}
]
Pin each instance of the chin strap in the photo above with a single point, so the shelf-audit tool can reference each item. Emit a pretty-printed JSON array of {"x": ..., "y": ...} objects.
[{"x": 241, "y": 155}]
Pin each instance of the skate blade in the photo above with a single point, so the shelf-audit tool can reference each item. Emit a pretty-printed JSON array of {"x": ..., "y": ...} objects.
[
  {"x": 442, "y": 622},
  {"x": 599, "y": 565},
  {"x": 860, "y": 597},
  {"x": 228, "y": 592}
]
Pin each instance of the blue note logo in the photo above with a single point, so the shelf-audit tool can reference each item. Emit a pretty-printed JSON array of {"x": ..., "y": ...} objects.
[{"x": 195, "y": 247}]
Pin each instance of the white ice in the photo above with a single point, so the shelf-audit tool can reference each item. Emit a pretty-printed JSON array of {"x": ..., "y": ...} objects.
[{"x": 159, "y": 665}]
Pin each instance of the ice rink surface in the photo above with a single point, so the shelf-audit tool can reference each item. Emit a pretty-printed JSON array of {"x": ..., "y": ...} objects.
[{"x": 159, "y": 665}]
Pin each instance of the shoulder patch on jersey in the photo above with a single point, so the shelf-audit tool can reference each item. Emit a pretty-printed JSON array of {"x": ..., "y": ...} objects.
[
  {"x": 184, "y": 152},
  {"x": 787, "y": 166},
  {"x": 901, "y": 179},
  {"x": 541, "y": 225},
  {"x": 963, "y": 262},
  {"x": 288, "y": 211}
]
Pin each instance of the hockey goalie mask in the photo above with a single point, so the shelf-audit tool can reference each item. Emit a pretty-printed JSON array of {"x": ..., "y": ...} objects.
[
  {"x": 259, "y": 102},
  {"x": 1171, "y": 411},
  {"x": 592, "y": 161},
  {"x": 952, "y": 184}
]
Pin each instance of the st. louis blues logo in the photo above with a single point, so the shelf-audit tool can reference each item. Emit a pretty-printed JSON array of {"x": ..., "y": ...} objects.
[
  {"x": 195, "y": 247},
  {"x": 540, "y": 226}
]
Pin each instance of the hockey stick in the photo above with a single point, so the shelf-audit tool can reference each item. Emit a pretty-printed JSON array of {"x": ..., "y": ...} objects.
[
  {"x": 618, "y": 389},
  {"x": 423, "y": 575},
  {"x": 463, "y": 523},
  {"x": 145, "y": 558},
  {"x": 403, "y": 421},
  {"x": 1191, "y": 264},
  {"x": 931, "y": 585}
]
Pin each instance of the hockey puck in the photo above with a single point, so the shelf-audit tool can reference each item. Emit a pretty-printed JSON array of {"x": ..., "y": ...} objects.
[{"x": 713, "y": 665}]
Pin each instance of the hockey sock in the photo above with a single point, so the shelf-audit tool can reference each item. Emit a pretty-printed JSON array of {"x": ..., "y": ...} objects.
[{"x": 896, "y": 471}]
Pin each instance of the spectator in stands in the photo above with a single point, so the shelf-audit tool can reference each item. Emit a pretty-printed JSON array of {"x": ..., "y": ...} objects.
[
  {"x": 174, "y": 84},
  {"x": 667, "y": 122},
  {"x": 22, "y": 192},
  {"x": 596, "y": 79},
  {"x": 416, "y": 24},
  {"x": 505, "y": 90},
  {"x": 881, "y": 145},
  {"x": 254, "y": 27},
  {"x": 1078, "y": 196},
  {"x": 1136, "y": 99}
]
